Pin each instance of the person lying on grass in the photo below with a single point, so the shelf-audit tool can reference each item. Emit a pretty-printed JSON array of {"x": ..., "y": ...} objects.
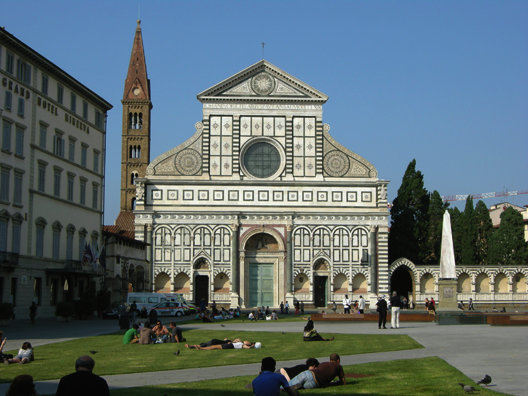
[
  {"x": 310, "y": 334},
  {"x": 321, "y": 376},
  {"x": 25, "y": 355},
  {"x": 214, "y": 341},
  {"x": 232, "y": 345},
  {"x": 292, "y": 372}
]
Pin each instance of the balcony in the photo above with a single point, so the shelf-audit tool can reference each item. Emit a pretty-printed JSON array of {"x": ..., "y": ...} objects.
[{"x": 8, "y": 261}]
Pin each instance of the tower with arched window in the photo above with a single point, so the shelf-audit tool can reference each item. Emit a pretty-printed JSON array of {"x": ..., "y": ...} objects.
[{"x": 135, "y": 151}]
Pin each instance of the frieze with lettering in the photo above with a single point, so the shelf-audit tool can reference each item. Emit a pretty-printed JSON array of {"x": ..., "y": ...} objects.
[
  {"x": 47, "y": 106},
  {"x": 10, "y": 85}
]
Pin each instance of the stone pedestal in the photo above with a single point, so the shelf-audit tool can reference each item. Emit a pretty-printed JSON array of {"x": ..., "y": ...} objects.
[
  {"x": 447, "y": 292},
  {"x": 234, "y": 300}
]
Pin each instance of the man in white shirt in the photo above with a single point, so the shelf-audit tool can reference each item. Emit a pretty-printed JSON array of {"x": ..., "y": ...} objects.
[
  {"x": 346, "y": 304},
  {"x": 361, "y": 305}
]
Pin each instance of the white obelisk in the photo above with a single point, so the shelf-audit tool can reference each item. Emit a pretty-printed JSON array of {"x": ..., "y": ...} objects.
[
  {"x": 447, "y": 257},
  {"x": 447, "y": 284}
]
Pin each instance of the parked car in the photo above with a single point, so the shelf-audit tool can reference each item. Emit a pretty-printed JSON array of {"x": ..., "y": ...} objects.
[
  {"x": 111, "y": 311},
  {"x": 169, "y": 308},
  {"x": 190, "y": 308}
]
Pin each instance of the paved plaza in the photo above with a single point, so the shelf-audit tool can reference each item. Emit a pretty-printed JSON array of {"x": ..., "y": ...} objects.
[{"x": 473, "y": 349}]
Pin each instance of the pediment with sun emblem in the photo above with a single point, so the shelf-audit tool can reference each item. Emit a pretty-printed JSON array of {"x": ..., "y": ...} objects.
[{"x": 264, "y": 82}]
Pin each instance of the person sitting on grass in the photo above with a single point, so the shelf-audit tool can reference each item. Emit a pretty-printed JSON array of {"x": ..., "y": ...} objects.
[
  {"x": 131, "y": 336},
  {"x": 176, "y": 333},
  {"x": 310, "y": 334},
  {"x": 269, "y": 383},
  {"x": 232, "y": 345},
  {"x": 83, "y": 381},
  {"x": 25, "y": 355},
  {"x": 251, "y": 316},
  {"x": 206, "y": 318},
  {"x": 274, "y": 315},
  {"x": 22, "y": 385},
  {"x": 321, "y": 376},
  {"x": 292, "y": 372},
  {"x": 214, "y": 341},
  {"x": 161, "y": 332},
  {"x": 146, "y": 334}
]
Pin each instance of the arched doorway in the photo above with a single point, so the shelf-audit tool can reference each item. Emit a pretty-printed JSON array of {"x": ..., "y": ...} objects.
[
  {"x": 261, "y": 271},
  {"x": 402, "y": 282},
  {"x": 201, "y": 281},
  {"x": 321, "y": 273}
]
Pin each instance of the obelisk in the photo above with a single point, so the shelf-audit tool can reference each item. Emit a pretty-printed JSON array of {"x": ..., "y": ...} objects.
[{"x": 447, "y": 284}]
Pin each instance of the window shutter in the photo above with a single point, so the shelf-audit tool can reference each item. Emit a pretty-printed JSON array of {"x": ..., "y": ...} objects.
[
  {"x": 40, "y": 242},
  {"x": 16, "y": 238},
  {"x": 3, "y": 236}
]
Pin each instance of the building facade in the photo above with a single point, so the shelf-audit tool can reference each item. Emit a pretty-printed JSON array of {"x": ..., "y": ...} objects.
[
  {"x": 52, "y": 172},
  {"x": 261, "y": 205}
]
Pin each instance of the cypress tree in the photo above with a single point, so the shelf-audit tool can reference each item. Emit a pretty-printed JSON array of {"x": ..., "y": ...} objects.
[
  {"x": 484, "y": 232},
  {"x": 457, "y": 221},
  {"x": 507, "y": 244},
  {"x": 409, "y": 218},
  {"x": 434, "y": 242},
  {"x": 469, "y": 235}
]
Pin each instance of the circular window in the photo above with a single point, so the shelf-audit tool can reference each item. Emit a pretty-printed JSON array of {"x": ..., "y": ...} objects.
[{"x": 262, "y": 160}]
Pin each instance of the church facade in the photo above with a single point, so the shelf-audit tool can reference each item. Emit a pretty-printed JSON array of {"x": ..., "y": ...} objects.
[{"x": 260, "y": 204}]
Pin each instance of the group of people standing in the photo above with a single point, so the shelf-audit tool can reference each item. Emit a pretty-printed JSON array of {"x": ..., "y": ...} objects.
[
  {"x": 358, "y": 305},
  {"x": 382, "y": 308}
]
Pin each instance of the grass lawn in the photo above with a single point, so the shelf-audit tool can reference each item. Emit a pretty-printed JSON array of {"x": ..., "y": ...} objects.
[
  {"x": 417, "y": 377},
  {"x": 56, "y": 360}
]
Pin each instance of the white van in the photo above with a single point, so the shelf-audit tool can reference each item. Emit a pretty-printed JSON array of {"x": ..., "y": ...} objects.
[{"x": 147, "y": 300}]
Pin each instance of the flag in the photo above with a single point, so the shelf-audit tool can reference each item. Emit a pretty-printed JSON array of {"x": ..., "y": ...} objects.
[
  {"x": 87, "y": 255},
  {"x": 95, "y": 255},
  {"x": 102, "y": 258}
]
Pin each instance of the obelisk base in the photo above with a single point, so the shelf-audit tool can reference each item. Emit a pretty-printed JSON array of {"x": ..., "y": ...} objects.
[{"x": 447, "y": 292}]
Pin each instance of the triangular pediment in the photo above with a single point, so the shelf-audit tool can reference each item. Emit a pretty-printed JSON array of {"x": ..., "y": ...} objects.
[{"x": 263, "y": 82}]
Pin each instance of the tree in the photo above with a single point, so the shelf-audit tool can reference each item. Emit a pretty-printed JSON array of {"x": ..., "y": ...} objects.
[
  {"x": 457, "y": 229},
  {"x": 484, "y": 232},
  {"x": 433, "y": 245},
  {"x": 507, "y": 244},
  {"x": 469, "y": 235},
  {"x": 409, "y": 219}
]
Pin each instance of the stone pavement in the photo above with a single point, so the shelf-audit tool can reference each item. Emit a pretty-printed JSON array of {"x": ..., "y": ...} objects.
[{"x": 473, "y": 349}]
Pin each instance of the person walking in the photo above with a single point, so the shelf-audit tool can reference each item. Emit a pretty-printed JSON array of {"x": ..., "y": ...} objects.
[
  {"x": 33, "y": 312},
  {"x": 361, "y": 305},
  {"x": 395, "y": 310},
  {"x": 431, "y": 309},
  {"x": 302, "y": 308},
  {"x": 471, "y": 308},
  {"x": 346, "y": 304},
  {"x": 282, "y": 308},
  {"x": 381, "y": 307},
  {"x": 133, "y": 311},
  {"x": 287, "y": 308},
  {"x": 334, "y": 307}
]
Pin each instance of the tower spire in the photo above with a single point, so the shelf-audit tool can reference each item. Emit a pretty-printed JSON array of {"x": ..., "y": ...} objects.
[
  {"x": 137, "y": 84},
  {"x": 137, "y": 106}
]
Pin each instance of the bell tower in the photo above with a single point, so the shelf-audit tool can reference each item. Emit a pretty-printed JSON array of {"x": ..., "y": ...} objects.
[{"x": 137, "y": 106}]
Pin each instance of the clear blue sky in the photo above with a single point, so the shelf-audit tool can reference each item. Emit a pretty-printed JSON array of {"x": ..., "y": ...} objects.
[{"x": 445, "y": 82}]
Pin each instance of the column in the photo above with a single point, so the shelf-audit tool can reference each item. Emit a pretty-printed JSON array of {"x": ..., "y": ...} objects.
[
  {"x": 289, "y": 261},
  {"x": 150, "y": 256},
  {"x": 235, "y": 281}
]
